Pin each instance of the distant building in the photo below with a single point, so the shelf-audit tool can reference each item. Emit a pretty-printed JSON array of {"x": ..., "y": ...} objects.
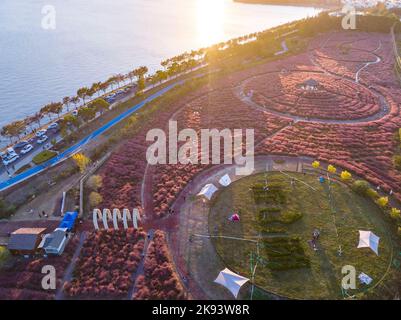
[
  {"x": 25, "y": 240},
  {"x": 390, "y": 4},
  {"x": 310, "y": 84},
  {"x": 55, "y": 242}
]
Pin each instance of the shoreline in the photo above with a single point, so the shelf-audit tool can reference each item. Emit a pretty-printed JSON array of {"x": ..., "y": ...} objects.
[
  {"x": 5, "y": 141},
  {"x": 292, "y": 3}
]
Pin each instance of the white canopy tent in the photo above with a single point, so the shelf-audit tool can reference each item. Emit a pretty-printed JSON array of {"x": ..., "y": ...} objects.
[
  {"x": 365, "y": 279},
  {"x": 225, "y": 180},
  {"x": 368, "y": 239},
  {"x": 231, "y": 281},
  {"x": 208, "y": 191}
]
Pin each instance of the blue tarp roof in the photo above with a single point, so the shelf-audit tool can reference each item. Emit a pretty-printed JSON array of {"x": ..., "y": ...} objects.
[{"x": 68, "y": 220}]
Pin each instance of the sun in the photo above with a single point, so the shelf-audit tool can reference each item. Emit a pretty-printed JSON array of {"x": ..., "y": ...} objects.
[{"x": 210, "y": 21}]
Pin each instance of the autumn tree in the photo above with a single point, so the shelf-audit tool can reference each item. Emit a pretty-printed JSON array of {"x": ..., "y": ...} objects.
[
  {"x": 14, "y": 129},
  {"x": 395, "y": 213},
  {"x": 81, "y": 161},
  {"x": 332, "y": 169},
  {"x": 95, "y": 199},
  {"x": 69, "y": 119},
  {"x": 86, "y": 113},
  {"x": 95, "y": 182},
  {"x": 346, "y": 176},
  {"x": 99, "y": 105},
  {"x": 316, "y": 164},
  {"x": 382, "y": 202}
]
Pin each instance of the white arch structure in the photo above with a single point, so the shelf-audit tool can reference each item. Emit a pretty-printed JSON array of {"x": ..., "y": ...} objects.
[{"x": 106, "y": 215}]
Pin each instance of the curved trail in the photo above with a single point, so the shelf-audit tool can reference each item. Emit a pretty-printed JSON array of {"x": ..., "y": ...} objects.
[{"x": 384, "y": 107}]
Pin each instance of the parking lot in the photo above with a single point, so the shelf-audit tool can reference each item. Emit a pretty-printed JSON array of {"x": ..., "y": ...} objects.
[{"x": 7, "y": 170}]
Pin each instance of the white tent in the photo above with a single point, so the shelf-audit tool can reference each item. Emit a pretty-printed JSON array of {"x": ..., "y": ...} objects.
[
  {"x": 231, "y": 281},
  {"x": 365, "y": 279},
  {"x": 208, "y": 191},
  {"x": 225, "y": 180},
  {"x": 368, "y": 239}
]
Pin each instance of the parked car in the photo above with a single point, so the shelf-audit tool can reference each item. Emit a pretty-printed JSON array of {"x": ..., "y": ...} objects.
[
  {"x": 20, "y": 144},
  {"x": 11, "y": 152},
  {"x": 40, "y": 133},
  {"x": 52, "y": 126},
  {"x": 42, "y": 139},
  {"x": 26, "y": 149},
  {"x": 3, "y": 155},
  {"x": 10, "y": 160}
]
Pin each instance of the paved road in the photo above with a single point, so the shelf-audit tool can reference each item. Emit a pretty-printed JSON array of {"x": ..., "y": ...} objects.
[
  {"x": 24, "y": 159},
  {"x": 77, "y": 147}
]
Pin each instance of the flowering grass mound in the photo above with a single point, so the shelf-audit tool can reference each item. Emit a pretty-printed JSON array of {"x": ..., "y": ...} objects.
[
  {"x": 122, "y": 176},
  {"x": 106, "y": 264},
  {"x": 209, "y": 111},
  {"x": 365, "y": 150},
  {"x": 333, "y": 97},
  {"x": 160, "y": 281}
]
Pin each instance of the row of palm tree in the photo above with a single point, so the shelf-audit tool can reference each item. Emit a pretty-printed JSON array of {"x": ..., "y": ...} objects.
[{"x": 171, "y": 67}]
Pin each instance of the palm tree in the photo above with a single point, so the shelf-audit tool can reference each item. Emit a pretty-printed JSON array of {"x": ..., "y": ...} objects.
[
  {"x": 119, "y": 78},
  {"x": 45, "y": 110},
  {"x": 37, "y": 117},
  {"x": 131, "y": 75},
  {"x": 56, "y": 108},
  {"x": 111, "y": 81},
  {"x": 75, "y": 101},
  {"x": 83, "y": 93},
  {"x": 66, "y": 102},
  {"x": 29, "y": 121},
  {"x": 103, "y": 86},
  {"x": 90, "y": 92},
  {"x": 96, "y": 88},
  {"x": 164, "y": 64},
  {"x": 143, "y": 70}
]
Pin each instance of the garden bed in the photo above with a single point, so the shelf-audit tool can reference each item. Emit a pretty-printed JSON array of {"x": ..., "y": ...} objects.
[{"x": 43, "y": 156}]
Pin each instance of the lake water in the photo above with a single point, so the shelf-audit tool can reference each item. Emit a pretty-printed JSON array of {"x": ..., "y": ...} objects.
[{"x": 94, "y": 39}]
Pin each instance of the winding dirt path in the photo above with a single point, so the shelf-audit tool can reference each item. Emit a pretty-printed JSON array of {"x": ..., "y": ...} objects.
[{"x": 384, "y": 107}]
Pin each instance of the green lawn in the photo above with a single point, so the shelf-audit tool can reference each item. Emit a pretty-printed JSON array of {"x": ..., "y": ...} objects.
[
  {"x": 43, "y": 156},
  {"x": 282, "y": 220}
]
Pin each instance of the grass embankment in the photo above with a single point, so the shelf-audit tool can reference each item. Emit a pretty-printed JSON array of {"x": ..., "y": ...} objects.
[
  {"x": 282, "y": 219},
  {"x": 43, "y": 156}
]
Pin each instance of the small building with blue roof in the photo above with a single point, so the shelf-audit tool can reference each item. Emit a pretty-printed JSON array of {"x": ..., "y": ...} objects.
[{"x": 68, "y": 221}]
